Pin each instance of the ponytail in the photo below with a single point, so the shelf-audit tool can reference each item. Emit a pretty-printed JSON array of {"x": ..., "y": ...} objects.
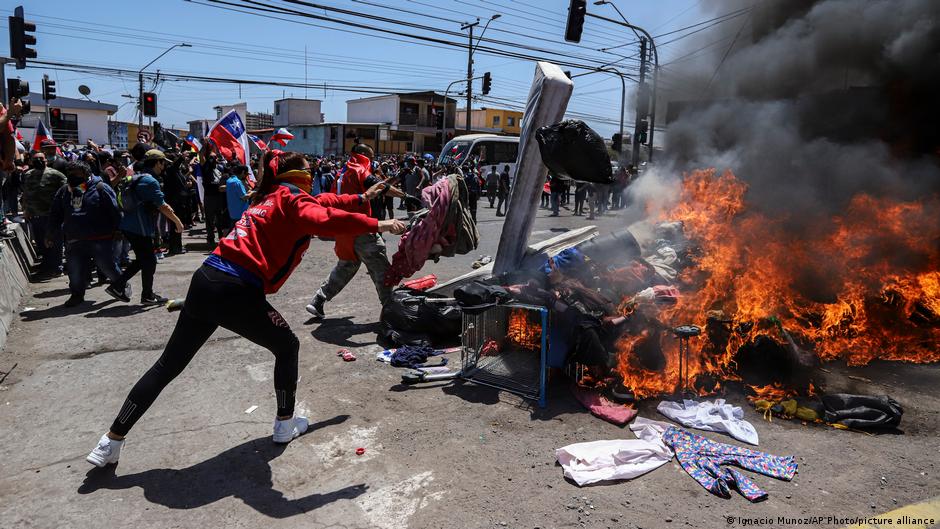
[{"x": 274, "y": 163}]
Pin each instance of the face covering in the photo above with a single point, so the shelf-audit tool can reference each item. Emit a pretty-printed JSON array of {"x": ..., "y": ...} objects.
[
  {"x": 301, "y": 179},
  {"x": 75, "y": 180},
  {"x": 39, "y": 164}
]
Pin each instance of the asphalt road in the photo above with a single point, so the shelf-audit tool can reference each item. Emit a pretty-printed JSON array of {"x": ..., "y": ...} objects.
[{"x": 443, "y": 455}]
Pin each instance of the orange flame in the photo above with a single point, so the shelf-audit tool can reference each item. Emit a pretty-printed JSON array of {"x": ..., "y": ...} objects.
[
  {"x": 522, "y": 332},
  {"x": 864, "y": 287}
]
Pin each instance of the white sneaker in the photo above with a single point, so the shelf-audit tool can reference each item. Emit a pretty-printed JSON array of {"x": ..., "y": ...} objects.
[
  {"x": 289, "y": 429},
  {"x": 108, "y": 451}
]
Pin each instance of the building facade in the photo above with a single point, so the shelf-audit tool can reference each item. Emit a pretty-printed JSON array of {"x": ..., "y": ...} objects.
[
  {"x": 82, "y": 120},
  {"x": 337, "y": 138},
  {"x": 414, "y": 119},
  {"x": 252, "y": 120},
  {"x": 493, "y": 120},
  {"x": 290, "y": 112}
]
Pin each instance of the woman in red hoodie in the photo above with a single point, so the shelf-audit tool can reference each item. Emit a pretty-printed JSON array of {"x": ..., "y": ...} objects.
[{"x": 229, "y": 289}]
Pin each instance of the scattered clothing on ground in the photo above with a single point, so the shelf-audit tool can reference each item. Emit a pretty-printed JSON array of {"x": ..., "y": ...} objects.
[
  {"x": 712, "y": 464},
  {"x": 714, "y": 416}
]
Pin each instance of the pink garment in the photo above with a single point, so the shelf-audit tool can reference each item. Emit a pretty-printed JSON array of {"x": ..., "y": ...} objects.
[
  {"x": 416, "y": 243},
  {"x": 599, "y": 406}
]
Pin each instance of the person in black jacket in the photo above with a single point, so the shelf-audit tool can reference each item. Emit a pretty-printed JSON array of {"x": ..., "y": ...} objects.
[
  {"x": 176, "y": 194},
  {"x": 213, "y": 188},
  {"x": 86, "y": 213}
]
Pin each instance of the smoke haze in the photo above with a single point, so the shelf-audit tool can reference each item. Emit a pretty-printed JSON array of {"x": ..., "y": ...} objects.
[{"x": 815, "y": 102}]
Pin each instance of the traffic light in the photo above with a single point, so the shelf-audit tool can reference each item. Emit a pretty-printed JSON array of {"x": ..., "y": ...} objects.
[
  {"x": 576, "y": 11},
  {"x": 21, "y": 38},
  {"x": 617, "y": 141},
  {"x": 439, "y": 119},
  {"x": 48, "y": 89},
  {"x": 55, "y": 117},
  {"x": 150, "y": 104},
  {"x": 641, "y": 132},
  {"x": 17, "y": 89},
  {"x": 487, "y": 82},
  {"x": 643, "y": 98}
]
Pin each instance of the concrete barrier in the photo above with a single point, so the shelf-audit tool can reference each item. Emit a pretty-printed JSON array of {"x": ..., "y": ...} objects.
[{"x": 15, "y": 260}]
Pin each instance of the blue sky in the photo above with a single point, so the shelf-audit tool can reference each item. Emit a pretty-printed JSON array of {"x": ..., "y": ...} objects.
[{"x": 128, "y": 34}]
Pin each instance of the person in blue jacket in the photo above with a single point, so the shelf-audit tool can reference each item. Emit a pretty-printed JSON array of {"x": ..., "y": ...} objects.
[
  {"x": 142, "y": 201},
  {"x": 86, "y": 213},
  {"x": 236, "y": 194}
]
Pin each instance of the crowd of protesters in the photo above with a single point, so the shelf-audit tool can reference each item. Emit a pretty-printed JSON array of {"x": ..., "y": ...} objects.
[{"x": 89, "y": 208}]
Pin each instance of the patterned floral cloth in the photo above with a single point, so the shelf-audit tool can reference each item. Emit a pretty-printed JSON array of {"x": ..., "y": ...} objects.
[{"x": 710, "y": 464}]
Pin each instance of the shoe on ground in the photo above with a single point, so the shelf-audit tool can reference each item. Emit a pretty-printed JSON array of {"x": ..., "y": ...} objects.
[
  {"x": 74, "y": 301},
  {"x": 153, "y": 299},
  {"x": 119, "y": 294},
  {"x": 289, "y": 429},
  {"x": 108, "y": 451},
  {"x": 315, "y": 307}
]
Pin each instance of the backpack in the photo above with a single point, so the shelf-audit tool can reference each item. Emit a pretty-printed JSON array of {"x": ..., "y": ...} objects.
[{"x": 126, "y": 199}]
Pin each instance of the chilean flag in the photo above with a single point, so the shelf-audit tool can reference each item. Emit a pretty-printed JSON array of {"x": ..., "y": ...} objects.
[
  {"x": 259, "y": 142},
  {"x": 230, "y": 137},
  {"x": 193, "y": 142},
  {"x": 282, "y": 136},
  {"x": 42, "y": 133}
]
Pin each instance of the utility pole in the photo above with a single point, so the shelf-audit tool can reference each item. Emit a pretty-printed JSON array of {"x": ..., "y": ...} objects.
[
  {"x": 652, "y": 44},
  {"x": 469, "y": 70},
  {"x": 640, "y": 101},
  {"x": 140, "y": 83},
  {"x": 470, "y": 50},
  {"x": 140, "y": 100}
]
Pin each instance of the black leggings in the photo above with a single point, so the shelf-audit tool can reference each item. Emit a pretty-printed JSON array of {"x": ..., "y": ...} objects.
[
  {"x": 216, "y": 299},
  {"x": 144, "y": 262}
]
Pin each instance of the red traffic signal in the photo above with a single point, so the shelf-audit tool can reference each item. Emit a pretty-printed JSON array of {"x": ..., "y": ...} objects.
[
  {"x": 55, "y": 117},
  {"x": 150, "y": 104}
]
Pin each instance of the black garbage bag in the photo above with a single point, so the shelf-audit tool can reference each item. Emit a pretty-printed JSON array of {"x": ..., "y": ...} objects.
[
  {"x": 476, "y": 297},
  {"x": 574, "y": 150},
  {"x": 413, "y": 314},
  {"x": 862, "y": 411}
]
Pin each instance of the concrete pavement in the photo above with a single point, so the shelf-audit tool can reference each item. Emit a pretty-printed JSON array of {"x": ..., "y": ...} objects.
[{"x": 442, "y": 455}]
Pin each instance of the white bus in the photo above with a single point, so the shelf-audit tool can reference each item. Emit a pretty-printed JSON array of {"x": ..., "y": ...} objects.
[{"x": 489, "y": 149}]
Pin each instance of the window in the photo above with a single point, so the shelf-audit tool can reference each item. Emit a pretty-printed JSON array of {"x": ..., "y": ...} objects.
[
  {"x": 333, "y": 132},
  {"x": 505, "y": 152},
  {"x": 305, "y": 134},
  {"x": 67, "y": 129},
  {"x": 408, "y": 113},
  {"x": 491, "y": 152},
  {"x": 495, "y": 121},
  {"x": 510, "y": 121},
  {"x": 277, "y": 109}
]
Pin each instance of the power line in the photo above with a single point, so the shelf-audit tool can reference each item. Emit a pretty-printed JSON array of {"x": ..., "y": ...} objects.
[
  {"x": 386, "y": 31},
  {"x": 725, "y": 56},
  {"x": 404, "y": 23}
]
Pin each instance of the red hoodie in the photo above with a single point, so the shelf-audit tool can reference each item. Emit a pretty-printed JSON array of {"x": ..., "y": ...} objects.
[
  {"x": 270, "y": 239},
  {"x": 352, "y": 182}
]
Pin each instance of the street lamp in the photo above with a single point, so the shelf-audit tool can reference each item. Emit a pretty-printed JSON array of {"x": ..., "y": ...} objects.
[
  {"x": 636, "y": 29},
  {"x": 470, "y": 50},
  {"x": 140, "y": 81},
  {"x": 623, "y": 93}
]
